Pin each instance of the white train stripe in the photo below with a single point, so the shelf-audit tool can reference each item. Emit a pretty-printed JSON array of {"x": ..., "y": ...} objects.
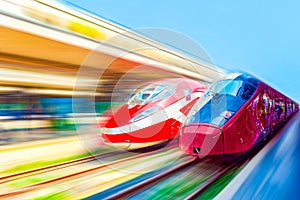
[{"x": 171, "y": 112}]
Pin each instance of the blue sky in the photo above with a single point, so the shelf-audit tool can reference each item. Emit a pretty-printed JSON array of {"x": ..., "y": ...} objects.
[{"x": 260, "y": 37}]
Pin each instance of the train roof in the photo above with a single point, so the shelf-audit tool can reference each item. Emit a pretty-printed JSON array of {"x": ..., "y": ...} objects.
[{"x": 243, "y": 76}]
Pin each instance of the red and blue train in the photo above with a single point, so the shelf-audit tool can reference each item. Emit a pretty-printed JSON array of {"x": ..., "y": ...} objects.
[
  {"x": 155, "y": 113},
  {"x": 235, "y": 114}
]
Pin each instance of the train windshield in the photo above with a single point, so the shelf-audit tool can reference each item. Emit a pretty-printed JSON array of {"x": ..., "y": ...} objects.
[
  {"x": 222, "y": 100},
  {"x": 151, "y": 93},
  {"x": 231, "y": 87}
]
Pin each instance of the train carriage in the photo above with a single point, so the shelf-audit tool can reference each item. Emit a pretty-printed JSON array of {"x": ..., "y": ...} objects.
[
  {"x": 235, "y": 114},
  {"x": 154, "y": 113}
]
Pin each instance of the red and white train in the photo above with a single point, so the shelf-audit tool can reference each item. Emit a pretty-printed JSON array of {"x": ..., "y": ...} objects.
[
  {"x": 236, "y": 113},
  {"x": 155, "y": 113}
]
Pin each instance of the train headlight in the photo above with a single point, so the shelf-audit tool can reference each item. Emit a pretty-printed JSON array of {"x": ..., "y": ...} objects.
[{"x": 144, "y": 114}]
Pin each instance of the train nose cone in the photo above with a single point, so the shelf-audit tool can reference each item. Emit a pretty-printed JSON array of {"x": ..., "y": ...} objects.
[{"x": 201, "y": 140}]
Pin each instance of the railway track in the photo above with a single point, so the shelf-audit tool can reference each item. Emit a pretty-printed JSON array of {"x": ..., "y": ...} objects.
[
  {"x": 216, "y": 176},
  {"x": 209, "y": 169},
  {"x": 147, "y": 187},
  {"x": 12, "y": 177},
  {"x": 223, "y": 166},
  {"x": 194, "y": 168},
  {"x": 140, "y": 185},
  {"x": 16, "y": 176},
  {"x": 82, "y": 173},
  {"x": 43, "y": 184}
]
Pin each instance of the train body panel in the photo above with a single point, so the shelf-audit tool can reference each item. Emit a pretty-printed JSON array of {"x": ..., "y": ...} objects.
[
  {"x": 242, "y": 118},
  {"x": 153, "y": 133},
  {"x": 145, "y": 119}
]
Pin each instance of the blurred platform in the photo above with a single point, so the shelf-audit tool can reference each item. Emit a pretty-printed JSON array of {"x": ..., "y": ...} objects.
[
  {"x": 46, "y": 150},
  {"x": 28, "y": 135}
]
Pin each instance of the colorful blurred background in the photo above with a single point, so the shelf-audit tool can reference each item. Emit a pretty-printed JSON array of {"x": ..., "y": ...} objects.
[{"x": 64, "y": 69}]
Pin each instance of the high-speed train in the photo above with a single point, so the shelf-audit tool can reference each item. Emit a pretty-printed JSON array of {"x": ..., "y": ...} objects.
[
  {"x": 154, "y": 113},
  {"x": 235, "y": 114}
]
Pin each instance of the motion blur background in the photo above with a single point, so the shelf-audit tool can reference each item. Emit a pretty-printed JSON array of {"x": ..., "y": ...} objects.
[{"x": 57, "y": 57}]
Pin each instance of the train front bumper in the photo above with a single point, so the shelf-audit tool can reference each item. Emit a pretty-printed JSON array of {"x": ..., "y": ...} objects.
[{"x": 201, "y": 140}]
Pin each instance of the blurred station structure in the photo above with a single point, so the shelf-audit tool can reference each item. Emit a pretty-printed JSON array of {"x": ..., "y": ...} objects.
[{"x": 51, "y": 53}]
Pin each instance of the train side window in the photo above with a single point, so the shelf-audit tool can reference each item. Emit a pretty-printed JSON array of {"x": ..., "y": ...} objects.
[
  {"x": 278, "y": 109},
  {"x": 268, "y": 103}
]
